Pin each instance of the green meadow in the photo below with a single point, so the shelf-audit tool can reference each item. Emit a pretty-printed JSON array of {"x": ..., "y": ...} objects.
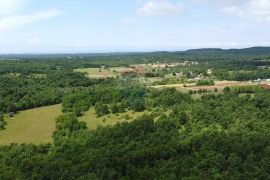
[
  {"x": 37, "y": 125},
  {"x": 96, "y": 72},
  {"x": 93, "y": 122},
  {"x": 31, "y": 126}
]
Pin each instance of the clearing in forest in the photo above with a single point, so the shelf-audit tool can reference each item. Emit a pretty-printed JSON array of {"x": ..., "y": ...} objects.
[
  {"x": 93, "y": 122},
  {"x": 96, "y": 72},
  {"x": 37, "y": 125},
  {"x": 218, "y": 84},
  {"x": 31, "y": 126}
]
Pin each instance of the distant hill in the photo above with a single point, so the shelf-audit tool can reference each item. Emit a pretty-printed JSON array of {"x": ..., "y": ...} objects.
[
  {"x": 252, "y": 50},
  {"x": 204, "y": 52}
]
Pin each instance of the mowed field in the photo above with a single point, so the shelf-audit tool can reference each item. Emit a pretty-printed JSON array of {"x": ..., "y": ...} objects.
[
  {"x": 31, "y": 126},
  {"x": 93, "y": 122},
  {"x": 96, "y": 72}
]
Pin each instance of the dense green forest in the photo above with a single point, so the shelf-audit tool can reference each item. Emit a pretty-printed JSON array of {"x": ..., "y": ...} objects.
[
  {"x": 219, "y": 136},
  {"x": 204, "y": 134},
  {"x": 21, "y": 92}
]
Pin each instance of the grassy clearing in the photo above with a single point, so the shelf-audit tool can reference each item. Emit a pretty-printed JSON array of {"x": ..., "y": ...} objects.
[
  {"x": 122, "y": 69},
  {"x": 96, "y": 72},
  {"x": 220, "y": 85},
  {"x": 31, "y": 126},
  {"x": 93, "y": 122},
  {"x": 37, "y": 125}
]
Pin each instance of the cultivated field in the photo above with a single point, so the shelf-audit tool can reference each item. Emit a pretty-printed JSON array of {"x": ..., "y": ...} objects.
[
  {"x": 93, "y": 122},
  {"x": 31, "y": 126},
  {"x": 96, "y": 72}
]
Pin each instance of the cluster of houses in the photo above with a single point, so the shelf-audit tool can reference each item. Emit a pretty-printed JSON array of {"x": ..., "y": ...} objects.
[
  {"x": 159, "y": 65},
  {"x": 196, "y": 78}
]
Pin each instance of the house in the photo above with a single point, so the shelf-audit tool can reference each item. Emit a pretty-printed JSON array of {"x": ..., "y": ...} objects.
[{"x": 209, "y": 72}]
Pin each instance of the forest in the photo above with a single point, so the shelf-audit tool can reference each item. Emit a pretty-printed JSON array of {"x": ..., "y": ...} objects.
[{"x": 219, "y": 133}]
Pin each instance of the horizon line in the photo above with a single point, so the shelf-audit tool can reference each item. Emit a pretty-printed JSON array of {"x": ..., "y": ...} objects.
[{"x": 123, "y": 52}]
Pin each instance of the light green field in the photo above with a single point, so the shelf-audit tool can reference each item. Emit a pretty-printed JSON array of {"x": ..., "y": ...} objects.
[
  {"x": 31, "y": 126},
  {"x": 37, "y": 125},
  {"x": 93, "y": 122},
  {"x": 122, "y": 69},
  {"x": 96, "y": 72}
]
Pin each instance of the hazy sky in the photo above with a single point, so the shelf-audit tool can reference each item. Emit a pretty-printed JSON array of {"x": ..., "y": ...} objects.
[{"x": 44, "y": 26}]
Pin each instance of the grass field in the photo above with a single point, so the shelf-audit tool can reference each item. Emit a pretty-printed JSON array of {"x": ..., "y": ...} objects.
[
  {"x": 96, "y": 72},
  {"x": 37, "y": 125},
  {"x": 220, "y": 85},
  {"x": 122, "y": 69},
  {"x": 93, "y": 122},
  {"x": 31, "y": 126}
]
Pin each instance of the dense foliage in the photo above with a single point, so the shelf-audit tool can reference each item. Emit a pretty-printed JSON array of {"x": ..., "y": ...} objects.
[
  {"x": 220, "y": 136},
  {"x": 2, "y": 121},
  {"x": 106, "y": 98},
  {"x": 19, "y": 92},
  {"x": 205, "y": 83}
]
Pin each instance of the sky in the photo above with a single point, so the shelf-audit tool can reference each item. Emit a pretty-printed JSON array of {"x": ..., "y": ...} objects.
[{"x": 86, "y": 26}]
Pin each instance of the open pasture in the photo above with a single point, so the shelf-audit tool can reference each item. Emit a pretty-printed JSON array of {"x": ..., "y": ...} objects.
[
  {"x": 37, "y": 125},
  {"x": 96, "y": 72},
  {"x": 220, "y": 85},
  {"x": 31, "y": 126},
  {"x": 93, "y": 122},
  {"x": 121, "y": 70}
]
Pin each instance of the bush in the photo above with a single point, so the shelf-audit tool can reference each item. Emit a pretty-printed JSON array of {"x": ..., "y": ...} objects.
[
  {"x": 226, "y": 90},
  {"x": 137, "y": 105},
  {"x": 115, "y": 108},
  {"x": 101, "y": 109}
]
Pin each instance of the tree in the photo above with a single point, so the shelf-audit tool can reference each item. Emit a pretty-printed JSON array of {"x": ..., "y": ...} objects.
[
  {"x": 2, "y": 121},
  {"x": 101, "y": 109},
  {"x": 115, "y": 108},
  {"x": 227, "y": 90},
  {"x": 137, "y": 105},
  {"x": 11, "y": 108},
  {"x": 80, "y": 107},
  {"x": 67, "y": 125}
]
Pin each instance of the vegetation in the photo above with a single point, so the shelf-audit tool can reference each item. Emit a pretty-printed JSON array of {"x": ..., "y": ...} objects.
[
  {"x": 2, "y": 121},
  {"x": 93, "y": 122},
  {"x": 118, "y": 128},
  {"x": 20, "y": 92},
  {"x": 192, "y": 143},
  {"x": 96, "y": 72},
  {"x": 31, "y": 126},
  {"x": 205, "y": 83}
]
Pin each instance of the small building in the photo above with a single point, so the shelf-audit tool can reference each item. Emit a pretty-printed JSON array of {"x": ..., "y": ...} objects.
[{"x": 209, "y": 72}]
